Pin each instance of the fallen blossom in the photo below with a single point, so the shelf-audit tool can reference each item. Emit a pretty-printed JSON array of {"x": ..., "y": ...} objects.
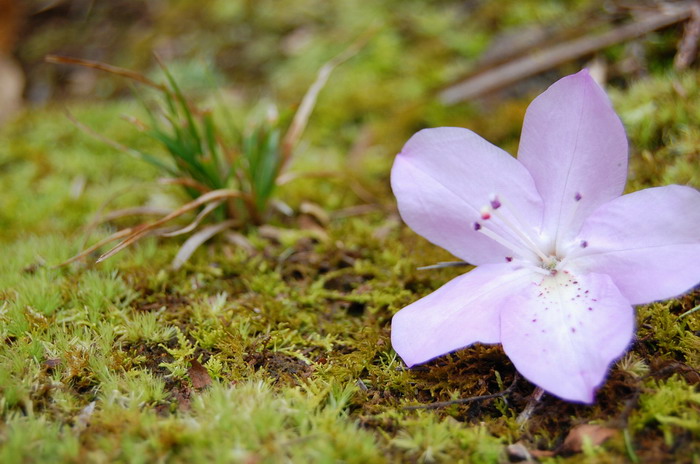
[{"x": 561, "y": 254}]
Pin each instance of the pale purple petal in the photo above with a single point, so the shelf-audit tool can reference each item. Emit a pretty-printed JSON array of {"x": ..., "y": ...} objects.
[
  {"x": 466, "y": 310},
  {"x": 564, "y": 333},
  {"x": 648, "y": 242},
  {"x": 575, "y": 148},
  {"x": 444, "y": 176}
]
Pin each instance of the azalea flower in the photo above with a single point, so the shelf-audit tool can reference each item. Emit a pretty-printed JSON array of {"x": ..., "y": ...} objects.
[{"x": 561, "y": 256}]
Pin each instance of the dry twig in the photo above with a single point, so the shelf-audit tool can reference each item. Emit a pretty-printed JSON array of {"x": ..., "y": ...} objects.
[
  {"x": 501, "y": 76},
  {"x": 471, "y": 399}
]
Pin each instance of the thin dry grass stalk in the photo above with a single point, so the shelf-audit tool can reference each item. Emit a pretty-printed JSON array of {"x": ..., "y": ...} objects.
[
  {"x": 301, "y": 117},
  {"x": 56, "y": 59},
  {"x": 133, "y": 234},
  {"x": 144, "y": 229},
  {"x": 185, "y": 182}
]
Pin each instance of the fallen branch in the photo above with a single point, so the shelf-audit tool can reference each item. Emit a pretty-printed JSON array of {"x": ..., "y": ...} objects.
[{"x": 537, "y": 62}]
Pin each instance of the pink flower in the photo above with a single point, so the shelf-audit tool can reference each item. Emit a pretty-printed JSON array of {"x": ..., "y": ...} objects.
[{"x": 561, "y": 256}]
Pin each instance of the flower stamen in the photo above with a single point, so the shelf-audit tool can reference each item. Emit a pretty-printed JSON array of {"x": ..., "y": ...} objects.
[
  {"x": 518, "y": 228},
  {"x": 519, "y": 250}
]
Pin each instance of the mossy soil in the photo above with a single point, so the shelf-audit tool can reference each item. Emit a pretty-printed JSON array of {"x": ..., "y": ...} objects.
[
  {"x": 272, "y": 344},
  {"x": 277, "y": 347}
]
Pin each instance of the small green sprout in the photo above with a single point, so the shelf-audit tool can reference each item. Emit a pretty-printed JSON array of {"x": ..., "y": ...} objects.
[{"x": 231, "y": 175}]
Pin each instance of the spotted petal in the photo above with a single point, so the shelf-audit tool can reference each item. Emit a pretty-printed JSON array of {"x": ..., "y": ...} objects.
[
  {"x": 575, "y": 148},
  {"x": 648, "y": 242},
  {"x": 464, "y": 311},
  {"x": 444, "y": 176},
  {"x": 564, "y": 333}
]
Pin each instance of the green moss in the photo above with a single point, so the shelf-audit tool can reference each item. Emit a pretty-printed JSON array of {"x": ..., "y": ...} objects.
[{"x": 110, "y": 362}]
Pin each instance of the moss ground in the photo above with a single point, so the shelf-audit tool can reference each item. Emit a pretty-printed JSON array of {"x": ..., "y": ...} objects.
[{"x": 279, "y": 350}]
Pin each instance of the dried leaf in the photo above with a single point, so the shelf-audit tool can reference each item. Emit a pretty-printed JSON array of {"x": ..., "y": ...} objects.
[
  {"x": 517, "y": 452},
  {"x": 51, "y": 363},
  {"x": 240, "y": 241},
  {"x": 196, "y": 240},
  {"x": 198, "y": 375},
  {"x": 595, "y": 434},
  {"x": 83, "y": 419}
]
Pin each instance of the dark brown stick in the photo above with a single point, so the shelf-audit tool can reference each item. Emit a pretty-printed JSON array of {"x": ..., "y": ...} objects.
[
  {"x": 471, "y": 399},
  {"x": 534, "y": 63}
]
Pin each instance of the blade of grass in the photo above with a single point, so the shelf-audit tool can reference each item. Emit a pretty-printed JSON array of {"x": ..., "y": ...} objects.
[
  {"x": 196, "y": 240},
  {"x": 180, "y": 98},
  {"x": 118, "y": 146}
]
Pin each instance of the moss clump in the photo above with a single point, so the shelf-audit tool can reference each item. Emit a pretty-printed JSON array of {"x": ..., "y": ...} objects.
[{"x": 273, "y": 345}]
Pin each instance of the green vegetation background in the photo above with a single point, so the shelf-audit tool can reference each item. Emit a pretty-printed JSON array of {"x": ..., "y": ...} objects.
[{"x": 279, "y": 351}]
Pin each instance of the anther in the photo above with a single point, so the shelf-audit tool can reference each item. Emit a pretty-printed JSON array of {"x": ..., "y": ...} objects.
[
  {"x": 477, "y": 226},
  {"x": 578, "y": 196},
  {"x": 485, "y": 213},
  {"x": 495, "y": 202},
  {"x": 584, "y": 244}
]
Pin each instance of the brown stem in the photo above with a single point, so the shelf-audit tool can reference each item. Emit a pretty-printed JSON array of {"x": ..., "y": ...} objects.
[
  {"x": 471, "y": 399},
  {"x": 530, "y": 407}
]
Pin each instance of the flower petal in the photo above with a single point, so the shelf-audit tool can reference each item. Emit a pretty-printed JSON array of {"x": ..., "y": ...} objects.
[
  {"x": 466, "y": 310},
  {"x": 575, "y": 148},
  {"x": 444, "y": 176},
  {"x": 648, "y": 242},
  {"x": 564, "y": 333}
]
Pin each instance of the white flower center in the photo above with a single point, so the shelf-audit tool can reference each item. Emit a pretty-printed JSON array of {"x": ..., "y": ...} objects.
[{"x": 500, "y": 222}]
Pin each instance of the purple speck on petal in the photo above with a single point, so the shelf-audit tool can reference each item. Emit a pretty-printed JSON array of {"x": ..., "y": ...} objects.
[
  {"x": 584, "y": 243},
  {"x": 509, "y": 259}
]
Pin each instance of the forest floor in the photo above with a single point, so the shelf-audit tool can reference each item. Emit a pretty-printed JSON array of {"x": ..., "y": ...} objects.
[{"x": 272, "y": 344}]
